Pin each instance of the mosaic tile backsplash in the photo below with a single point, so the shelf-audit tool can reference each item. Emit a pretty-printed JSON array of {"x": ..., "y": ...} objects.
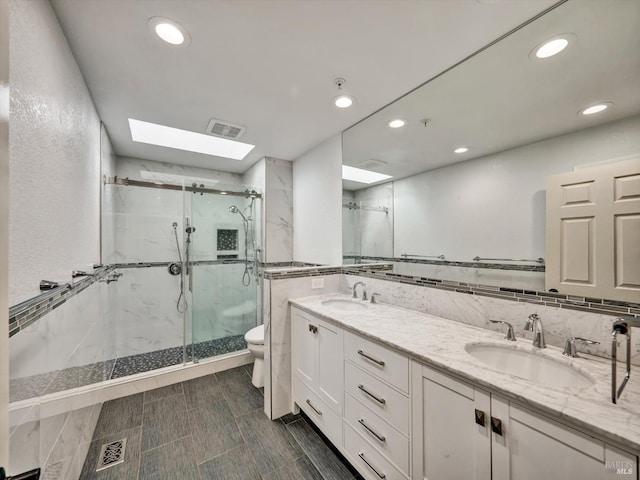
[{"x": 227, "y": 239}]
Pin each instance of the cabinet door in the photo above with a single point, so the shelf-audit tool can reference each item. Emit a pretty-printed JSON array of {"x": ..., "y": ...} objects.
[
  {"x": 330, "y": 384},
  {"x": 305, "y": 353},
  {"x": 455, "y": 441},
  {"x": 534, "y": 447}
]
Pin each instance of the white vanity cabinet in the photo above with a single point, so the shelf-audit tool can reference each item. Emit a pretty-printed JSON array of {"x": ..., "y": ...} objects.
[
  {"x": 318, "y": 378},
  {"x": 394, "y": 418},
  {"x": 377, "y": 420},
  {"x": 463, "y": 432}
]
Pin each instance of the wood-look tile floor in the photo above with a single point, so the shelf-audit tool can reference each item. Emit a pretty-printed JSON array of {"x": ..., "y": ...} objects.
[{"x": 211, "y": 427}]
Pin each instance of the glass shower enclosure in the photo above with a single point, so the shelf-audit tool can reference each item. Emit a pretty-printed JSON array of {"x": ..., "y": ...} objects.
[
  {"x": 222, "y": 271},
  {"x": 188, "y": 254}
]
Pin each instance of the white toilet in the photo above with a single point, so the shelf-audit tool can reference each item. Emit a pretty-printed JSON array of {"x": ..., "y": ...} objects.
[{"x": 255, "y": 343}]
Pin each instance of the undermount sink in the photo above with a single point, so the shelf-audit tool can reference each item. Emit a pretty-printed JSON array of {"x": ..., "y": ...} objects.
[
  {"x": 344, "y": 304},
  {"x": 529, "y": 365}
]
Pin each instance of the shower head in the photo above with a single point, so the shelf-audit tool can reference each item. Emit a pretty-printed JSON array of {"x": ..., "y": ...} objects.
[
  {"x": 175, "y": 225},
  {"x": 234, "y": 209},
  {"x": 190, "y": 230}
]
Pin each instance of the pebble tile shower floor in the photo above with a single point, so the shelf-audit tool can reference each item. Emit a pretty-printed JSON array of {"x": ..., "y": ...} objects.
[
  {"x": 211, "y": 428},
  {"x": 73, "y": 377}
]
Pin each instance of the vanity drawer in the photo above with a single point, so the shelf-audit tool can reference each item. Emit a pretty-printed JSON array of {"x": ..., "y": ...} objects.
[
  {"x": 379, "y": 433},
  {"x": 319, "y": 412},
  {"x": 389, "y": 404},
  {"x": 390, "y": 366},
  {"x": 369, "y": 462}
]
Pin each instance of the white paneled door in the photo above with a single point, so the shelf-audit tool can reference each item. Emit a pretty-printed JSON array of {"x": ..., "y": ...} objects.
[{"x": 593, "y": 231}]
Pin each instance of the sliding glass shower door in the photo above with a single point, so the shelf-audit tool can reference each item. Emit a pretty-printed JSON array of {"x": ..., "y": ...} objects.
[{"x": 221, "y": 273}]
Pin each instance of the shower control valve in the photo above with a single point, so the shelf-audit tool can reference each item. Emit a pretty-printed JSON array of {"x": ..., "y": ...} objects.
[{"x": 174, "y": 269}]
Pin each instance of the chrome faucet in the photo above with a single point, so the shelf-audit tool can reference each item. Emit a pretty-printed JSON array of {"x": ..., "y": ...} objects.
[
  {"x": 510, "y": 335},
  {"x": 364, "y": 290},
  {"x": 534, "y": 324},
  {"x": 570, "y": 345}
]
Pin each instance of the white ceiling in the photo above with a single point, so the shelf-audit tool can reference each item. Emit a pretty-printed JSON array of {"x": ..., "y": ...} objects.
[
  {"x": 269, "y": 64},
  {"x": 502, "y": 98}
]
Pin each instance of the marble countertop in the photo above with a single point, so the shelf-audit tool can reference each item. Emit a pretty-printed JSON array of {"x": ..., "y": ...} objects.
[{"x": 441, "y": 343}]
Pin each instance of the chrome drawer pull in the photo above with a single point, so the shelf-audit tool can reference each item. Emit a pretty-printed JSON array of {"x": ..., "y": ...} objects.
[
  {"x": 378, "y": 362},
  {"x": 381, "y": 401},
  {"x": 381, "y": 475},
  {"x": 371, "y": 431},
  {"x": 314, "y": 408}
]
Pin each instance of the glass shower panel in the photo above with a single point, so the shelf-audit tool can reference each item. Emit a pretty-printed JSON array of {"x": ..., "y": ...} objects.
[{"x": 222, "y": 274}]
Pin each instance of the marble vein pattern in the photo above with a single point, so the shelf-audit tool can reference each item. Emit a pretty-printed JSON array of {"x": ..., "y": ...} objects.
[
  {"x": 278, "y": 336},
  {"x": 278, "y": 211},
  {"x": 440, "y": 343},
  {"x": 559, "y": 323}
]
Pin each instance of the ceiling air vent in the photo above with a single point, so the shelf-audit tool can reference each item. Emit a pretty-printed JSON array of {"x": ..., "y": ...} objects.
[
  {"x": 221, "y": 128},
  {"x": 371, "y": 164}
]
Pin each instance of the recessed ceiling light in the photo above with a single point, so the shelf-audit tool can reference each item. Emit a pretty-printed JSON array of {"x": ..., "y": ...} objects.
[
  {"x": 163, "y": 136},
  {"x": 397, "y": 123},
  {"x": 343, "y": 101},
  {"x": 461, "y": 150},
  {"x": 600, "y": 107},
  {"x": 553, "y": 46},
  {"x": 362, "y": 176},
  {"x": 223, "y": 193},
  {"x": 169, "y": 31}
]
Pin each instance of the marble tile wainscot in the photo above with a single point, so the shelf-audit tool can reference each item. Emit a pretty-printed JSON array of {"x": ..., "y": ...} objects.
[
  {"x": 25, "y": 313},
  {"x": 549, "y": 299}
]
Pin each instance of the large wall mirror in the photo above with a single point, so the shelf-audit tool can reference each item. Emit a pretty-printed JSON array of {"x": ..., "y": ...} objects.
[{"x": 465, "y": 200}]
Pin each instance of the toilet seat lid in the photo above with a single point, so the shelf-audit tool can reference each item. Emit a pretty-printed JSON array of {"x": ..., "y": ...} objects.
[{"x": 255, "y": 335}]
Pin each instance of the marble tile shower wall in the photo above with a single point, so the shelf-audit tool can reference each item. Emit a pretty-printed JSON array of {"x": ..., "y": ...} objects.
[
  {"x": 146, "y": 316},
  {"x": 484, "y": 276},
  {"x": 69, "y": 347},
  {"x": 277, "y": 320},
  {"x": 376, "y": 227},
  {"x": 145, "y": 311},
  {"x": 221, "y": 305},
  {"x": 278, "y": 211},
  {"x": 559, "y": 323}
]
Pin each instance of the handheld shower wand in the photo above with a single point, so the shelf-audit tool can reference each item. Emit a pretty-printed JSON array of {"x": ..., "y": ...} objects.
[
  {"x": 246, "y": 276},
  {"x": 181, "y": 304}
]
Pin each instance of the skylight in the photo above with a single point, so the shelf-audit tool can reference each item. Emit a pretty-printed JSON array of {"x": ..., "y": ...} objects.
[
  {"x": 362, "y": 176},
  {"x": 163, "y": 136}
]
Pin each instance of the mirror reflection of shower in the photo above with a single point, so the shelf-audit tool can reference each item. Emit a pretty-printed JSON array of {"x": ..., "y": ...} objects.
[{"x": 249, "y": 239}]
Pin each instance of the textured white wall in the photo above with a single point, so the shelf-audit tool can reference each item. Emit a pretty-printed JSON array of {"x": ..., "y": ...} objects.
[
  {"x": 54, "y": 155},
  {"x": 317, "y": 204},
  {"x": 54, "y": 220},
  {"x": 495, "y": 206},
  {"x": 4, "y": 231}
]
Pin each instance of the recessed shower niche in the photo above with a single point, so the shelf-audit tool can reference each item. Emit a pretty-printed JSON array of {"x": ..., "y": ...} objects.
[{"x": 227, "y": 243}]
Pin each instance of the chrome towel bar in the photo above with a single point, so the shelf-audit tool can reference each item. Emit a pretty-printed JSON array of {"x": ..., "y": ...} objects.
[
  {"x": 621, "y": 326},
  {"x": 480, "y": 259}
]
